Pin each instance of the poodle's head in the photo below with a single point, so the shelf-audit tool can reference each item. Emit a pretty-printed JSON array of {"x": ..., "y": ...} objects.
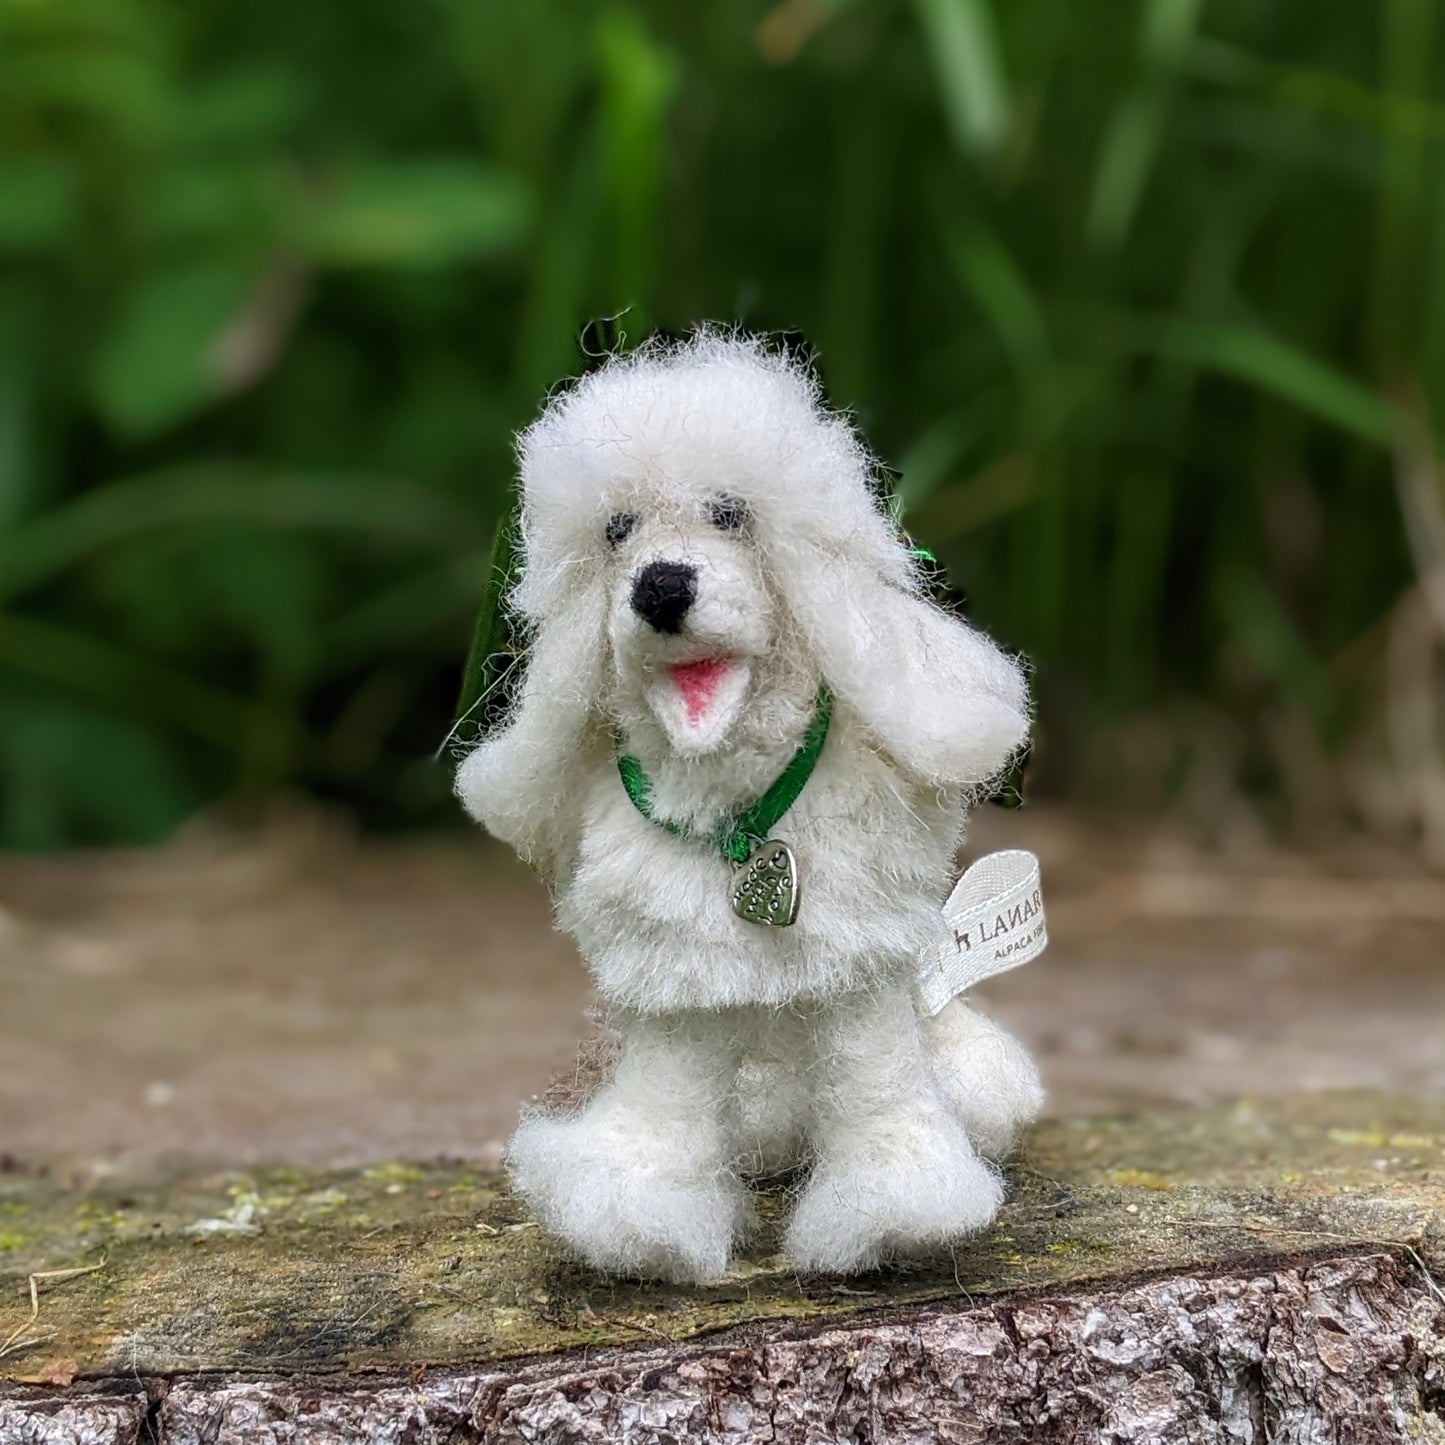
[
  {"x": 702, "y": 544},
  {"x": 678, "y": 504},
  {"x": 692, "y": 614}
]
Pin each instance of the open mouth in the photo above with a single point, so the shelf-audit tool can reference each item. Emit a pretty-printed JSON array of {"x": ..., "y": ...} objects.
[
  {"x": 699, "y": 682},
  {"x": 698, "y": 701}
]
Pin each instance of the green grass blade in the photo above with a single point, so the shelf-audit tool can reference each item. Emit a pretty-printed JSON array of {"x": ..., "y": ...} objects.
[
  {"x": 998, "y": 286},
  {"x": 1255, "y": 357},
  {"x": 1268, "y": 636},
  {"x": 34, "y": 553},
  {"x": 639, "y": 77},
  {"x": 972, "y": 83},
  {"x": 493, "y": 645},
  {"x": 96, "y": 668},
  {"x": 1137, "y": 126}
]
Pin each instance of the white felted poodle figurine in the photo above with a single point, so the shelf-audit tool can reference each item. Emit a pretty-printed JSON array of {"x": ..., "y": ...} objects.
[{"x": 741, "y": 753}]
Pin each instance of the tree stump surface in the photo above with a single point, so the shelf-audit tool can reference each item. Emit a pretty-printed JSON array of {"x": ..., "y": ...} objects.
[
  {"x": 1229, "y": 1273},
  {"x": 1230, "y": 1231}
]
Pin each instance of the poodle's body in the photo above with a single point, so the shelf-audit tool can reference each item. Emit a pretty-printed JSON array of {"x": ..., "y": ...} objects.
[
  {"x": 703, "y": 553},
  {"x": 875, "y": 853}
]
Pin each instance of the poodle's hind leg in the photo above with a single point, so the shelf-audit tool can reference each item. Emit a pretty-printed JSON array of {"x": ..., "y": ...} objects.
[
  {"x": 894, "y": 1173},
  {"x": 638, "y": 1182},
  {"x": 772, "y": 1108},
  {"x": 987, "y": 1076}
]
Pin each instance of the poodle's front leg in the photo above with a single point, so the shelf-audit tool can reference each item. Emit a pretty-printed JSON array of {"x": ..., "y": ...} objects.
[
  {"x": 637, "y": 1181},
  {"x": 893, "y": 1170}
]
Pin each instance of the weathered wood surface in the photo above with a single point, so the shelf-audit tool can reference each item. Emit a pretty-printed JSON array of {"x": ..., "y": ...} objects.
[
  {"x": 1342, "y": 1350},
  {"x": 1220, "y": 1274}
]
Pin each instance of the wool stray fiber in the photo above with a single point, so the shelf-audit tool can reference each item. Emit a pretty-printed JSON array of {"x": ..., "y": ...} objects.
[{"x": 705, "y": 558}]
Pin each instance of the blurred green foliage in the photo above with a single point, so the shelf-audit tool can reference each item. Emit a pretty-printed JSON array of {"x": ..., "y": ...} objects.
[{"x": 1144, "y": 299}]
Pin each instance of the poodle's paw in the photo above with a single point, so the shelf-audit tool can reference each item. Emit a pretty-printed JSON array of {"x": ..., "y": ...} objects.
[
  {"x": 863, "y": 1209},
  {"x": 628, "y": 1203},
  {"x": 986, "y": 1075}
]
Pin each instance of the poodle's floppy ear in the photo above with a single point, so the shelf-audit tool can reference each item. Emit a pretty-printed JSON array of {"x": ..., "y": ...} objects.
[
  {"x": 521, "y": 781},
  {"x": 941, "y": 699}
]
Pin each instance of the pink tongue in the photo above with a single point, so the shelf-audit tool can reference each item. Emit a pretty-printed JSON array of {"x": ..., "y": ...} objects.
[{"x": 698, "y": 683}]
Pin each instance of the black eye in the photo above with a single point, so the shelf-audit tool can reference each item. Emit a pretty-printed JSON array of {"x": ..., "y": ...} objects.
[
  {"x": 619, "y": 527},
  {"x": 728, "y": 514}
]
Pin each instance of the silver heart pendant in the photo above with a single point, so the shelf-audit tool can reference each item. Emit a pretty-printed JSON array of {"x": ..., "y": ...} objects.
[{"x": 765, "y": 885}]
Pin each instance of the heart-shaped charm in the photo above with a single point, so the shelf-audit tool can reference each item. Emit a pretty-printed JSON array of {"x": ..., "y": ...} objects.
[{"x": 765, "y": 885}]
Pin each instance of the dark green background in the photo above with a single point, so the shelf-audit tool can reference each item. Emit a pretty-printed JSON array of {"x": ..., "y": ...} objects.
[{"x": 1145, "y": 301}]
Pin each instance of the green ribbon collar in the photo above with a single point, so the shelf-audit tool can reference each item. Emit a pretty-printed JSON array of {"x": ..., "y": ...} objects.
[{"x": 740, "y": 833}]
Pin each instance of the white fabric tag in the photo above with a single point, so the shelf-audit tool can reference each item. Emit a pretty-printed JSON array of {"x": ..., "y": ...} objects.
[{"x": 996, "y": 914}]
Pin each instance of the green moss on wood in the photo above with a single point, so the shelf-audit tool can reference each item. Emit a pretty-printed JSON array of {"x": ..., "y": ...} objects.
[{"x": 402, "y": 1265}]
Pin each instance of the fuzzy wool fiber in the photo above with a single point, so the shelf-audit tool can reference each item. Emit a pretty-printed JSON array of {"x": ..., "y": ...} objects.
[{"x": 747, "y": 1049}]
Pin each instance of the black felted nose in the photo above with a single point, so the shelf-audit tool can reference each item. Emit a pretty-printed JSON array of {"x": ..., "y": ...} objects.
[{"x": 662, "y": 592}]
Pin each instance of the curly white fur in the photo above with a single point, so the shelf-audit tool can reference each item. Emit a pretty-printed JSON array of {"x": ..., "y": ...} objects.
[{"x": 746, "y": 1047}]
